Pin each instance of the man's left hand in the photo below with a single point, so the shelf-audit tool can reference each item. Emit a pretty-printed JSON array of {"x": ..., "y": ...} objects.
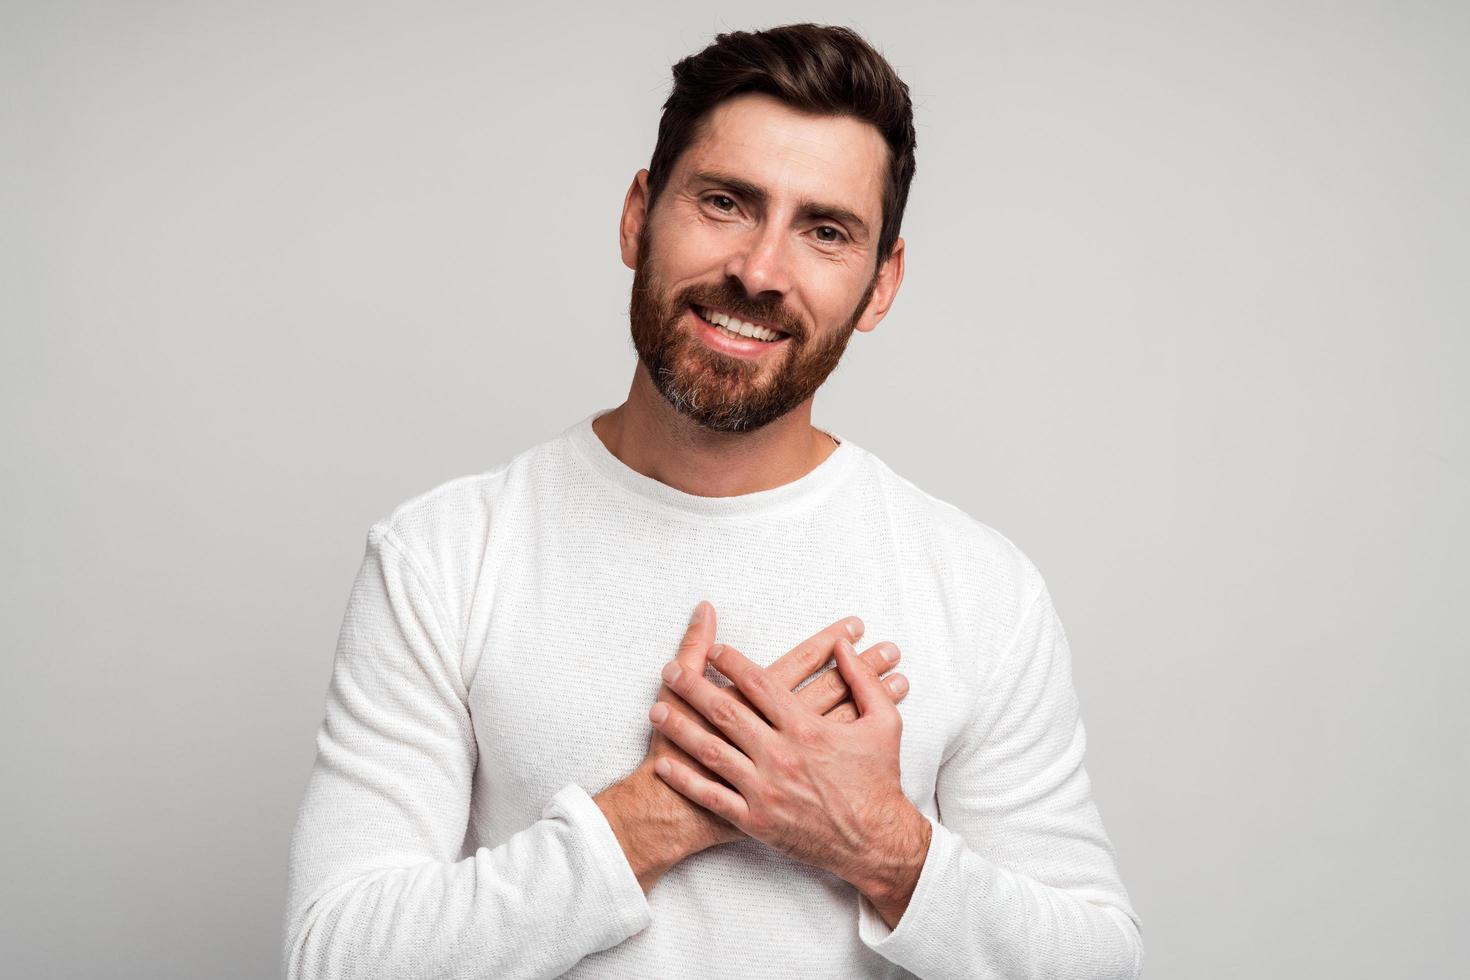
[{"x": 825, "y": 793}]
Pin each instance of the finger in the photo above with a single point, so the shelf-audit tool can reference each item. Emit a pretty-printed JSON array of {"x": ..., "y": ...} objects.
[
  {"x": 843, "y": 713},
  {"x": 717, "y": 799},
  {"x": 709, "y": 750},
  {"x": 694, "y": 647},
  {"x": 698, "y": 637},
  {"x": 777, "y": 703},
  {"x": 740, "y": 724},
  {"x": 811, "y": 654},
  {"x": 830, "y": 689},
  {"x": 867, "y": 690},
  {"x": 668, "y": 697},
  {"x": 897, "y": 686},
  {"x": 667, "y": 747}
]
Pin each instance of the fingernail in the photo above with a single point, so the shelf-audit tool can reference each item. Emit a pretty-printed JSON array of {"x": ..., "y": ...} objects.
[
  {"x": 854, "y": 627},
  {"x": 658, "y": 713},
  {"x": 698, "y": 613},
  {"x": 890, "y": 653},
  {"x": 671, "y": 672},
  {"x": 662, "y": 767},
  {"x": 845, "y": 645},
  {"x": 895, "y": 684},
  {"x": 716, "y": 650}
]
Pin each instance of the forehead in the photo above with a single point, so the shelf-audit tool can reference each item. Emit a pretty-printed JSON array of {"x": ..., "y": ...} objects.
[{"x": 794, "y": 154}]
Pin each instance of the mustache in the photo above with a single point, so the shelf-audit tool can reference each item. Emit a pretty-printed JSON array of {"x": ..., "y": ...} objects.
[{"x": 739, "y": 305}]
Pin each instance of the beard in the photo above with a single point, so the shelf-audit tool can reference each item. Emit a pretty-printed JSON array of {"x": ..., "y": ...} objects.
[{"x": 717, "y": 391}]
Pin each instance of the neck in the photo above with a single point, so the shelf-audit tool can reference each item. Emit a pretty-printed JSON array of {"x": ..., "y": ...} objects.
[{"x": 654, "y": 439}]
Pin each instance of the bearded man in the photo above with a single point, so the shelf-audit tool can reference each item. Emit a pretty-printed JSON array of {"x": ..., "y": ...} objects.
[{"x": 535, "y": 762}]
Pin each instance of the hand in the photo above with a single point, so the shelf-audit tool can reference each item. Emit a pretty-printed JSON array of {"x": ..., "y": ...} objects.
[
  {"x": 657, "y": 826},
  {"x": 827, "y": 694},
  {"x": 825, "y": 793}
]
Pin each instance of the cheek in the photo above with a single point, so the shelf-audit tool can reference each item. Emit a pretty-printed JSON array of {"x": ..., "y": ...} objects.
[
  {"x": 832, "y": 292},
  {"x": 708, "y": 245},
  {"x": 693, "y": 251}
]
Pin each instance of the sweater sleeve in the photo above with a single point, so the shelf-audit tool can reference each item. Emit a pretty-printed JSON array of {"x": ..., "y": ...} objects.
[
  {"x": 1020, "y": 880},
  {"x": 380, "y": 881}
]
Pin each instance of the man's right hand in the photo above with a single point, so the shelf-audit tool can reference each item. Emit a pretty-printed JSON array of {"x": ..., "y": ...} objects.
[{"x": 656, "y": 826}]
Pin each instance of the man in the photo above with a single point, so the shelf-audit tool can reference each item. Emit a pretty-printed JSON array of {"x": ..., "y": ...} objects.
[{"x": 505, "y": 641}]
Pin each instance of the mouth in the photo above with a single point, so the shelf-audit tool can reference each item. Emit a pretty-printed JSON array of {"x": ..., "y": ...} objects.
[{"x": 737, "y": 329}]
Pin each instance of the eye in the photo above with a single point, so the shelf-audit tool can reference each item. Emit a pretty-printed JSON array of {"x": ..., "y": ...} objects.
[
  {"x": 722, "y": 202},
  {"x": 836, "y": 237}
]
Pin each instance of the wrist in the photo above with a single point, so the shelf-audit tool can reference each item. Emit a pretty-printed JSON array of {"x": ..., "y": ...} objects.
[
  {"x": 652, "y": 840},
  {"x": 891, "y": 871}
]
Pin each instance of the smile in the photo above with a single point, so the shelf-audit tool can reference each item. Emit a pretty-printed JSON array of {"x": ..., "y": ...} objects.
[{"x": 732, "y": 327}]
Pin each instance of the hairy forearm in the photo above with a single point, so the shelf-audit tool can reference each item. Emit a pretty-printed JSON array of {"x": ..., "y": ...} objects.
[
  {"x": 891, "y": 867},
  {"x": 650, "y": 823}
]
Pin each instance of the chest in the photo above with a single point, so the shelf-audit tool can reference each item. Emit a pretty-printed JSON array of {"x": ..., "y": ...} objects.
[{"x": 577, "y": 628}]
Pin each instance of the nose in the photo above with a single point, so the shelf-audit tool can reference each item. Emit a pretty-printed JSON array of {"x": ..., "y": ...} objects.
[{"x": 762, "y": 263}]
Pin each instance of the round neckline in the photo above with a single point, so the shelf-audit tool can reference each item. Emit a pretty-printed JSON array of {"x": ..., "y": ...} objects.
[{"x": 809, "y": 485}]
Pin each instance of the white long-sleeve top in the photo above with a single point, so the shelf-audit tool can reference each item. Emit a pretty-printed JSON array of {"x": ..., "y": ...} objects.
[{"x": 499, "y": 653}]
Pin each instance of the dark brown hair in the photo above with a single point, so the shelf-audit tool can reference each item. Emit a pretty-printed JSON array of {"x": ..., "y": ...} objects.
[{"x": 810, "y": 67}]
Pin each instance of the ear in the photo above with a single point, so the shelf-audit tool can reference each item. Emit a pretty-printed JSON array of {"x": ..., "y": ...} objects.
[
  {"x": 890, "y": 277},
  {"x": 635, "y": 212}
]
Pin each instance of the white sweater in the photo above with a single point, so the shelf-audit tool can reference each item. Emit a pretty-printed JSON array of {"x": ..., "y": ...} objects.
[{"x": 499, "y": 653}]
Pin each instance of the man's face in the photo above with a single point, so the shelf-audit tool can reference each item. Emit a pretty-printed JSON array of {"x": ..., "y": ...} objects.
[{"x": 772, "y": 216}]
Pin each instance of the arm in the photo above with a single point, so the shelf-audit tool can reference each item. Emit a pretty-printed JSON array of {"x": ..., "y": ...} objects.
[
  {"x": 1020, "y": 880},
  {"x": 378, "y": 886}
]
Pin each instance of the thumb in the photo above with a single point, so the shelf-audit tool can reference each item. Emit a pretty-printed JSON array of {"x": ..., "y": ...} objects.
[
  {"x": 697, "y": 638},
  {"x": 867, "y": 689}
]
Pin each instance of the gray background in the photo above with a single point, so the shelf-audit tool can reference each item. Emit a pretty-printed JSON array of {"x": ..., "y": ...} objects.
[{"x": 1185, "y": 317}]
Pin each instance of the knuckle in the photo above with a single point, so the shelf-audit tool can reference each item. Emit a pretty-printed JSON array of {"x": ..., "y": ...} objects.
[
  {"x": 755, "y": 678},
  {"x": 711, "y": 754},
  {"x": 805, "y": 654},
  {"x": 826, "y": 696},
  {"x": 804, "y": 734},
  {"x": 724, "y": 713},
  {"x": 834, "y": 685},
  {"x": 843, "y": 713}
]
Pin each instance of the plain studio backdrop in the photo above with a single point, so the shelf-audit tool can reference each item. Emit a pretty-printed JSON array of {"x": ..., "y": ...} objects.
[{"x": 1185, "y": 317}]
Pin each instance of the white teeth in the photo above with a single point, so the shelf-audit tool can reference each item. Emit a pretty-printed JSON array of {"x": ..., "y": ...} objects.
[{"x": 739, "y": 326}]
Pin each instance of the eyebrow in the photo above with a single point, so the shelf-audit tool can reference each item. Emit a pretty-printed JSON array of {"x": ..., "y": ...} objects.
[{"x": 806, "y": 208}]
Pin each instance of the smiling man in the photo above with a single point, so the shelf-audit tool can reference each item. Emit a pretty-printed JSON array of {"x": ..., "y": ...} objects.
[
  {"x": 762, "y": 274},
  {"x": 535, "y": 762}
]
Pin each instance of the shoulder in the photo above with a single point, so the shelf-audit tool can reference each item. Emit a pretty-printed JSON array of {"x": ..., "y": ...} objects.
[
  {"x": 443, "y": 518},
  {"x": 445, "y": 532},
  {"x": 988, "y": 572},
  {"x": 449, "y": 511}
]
